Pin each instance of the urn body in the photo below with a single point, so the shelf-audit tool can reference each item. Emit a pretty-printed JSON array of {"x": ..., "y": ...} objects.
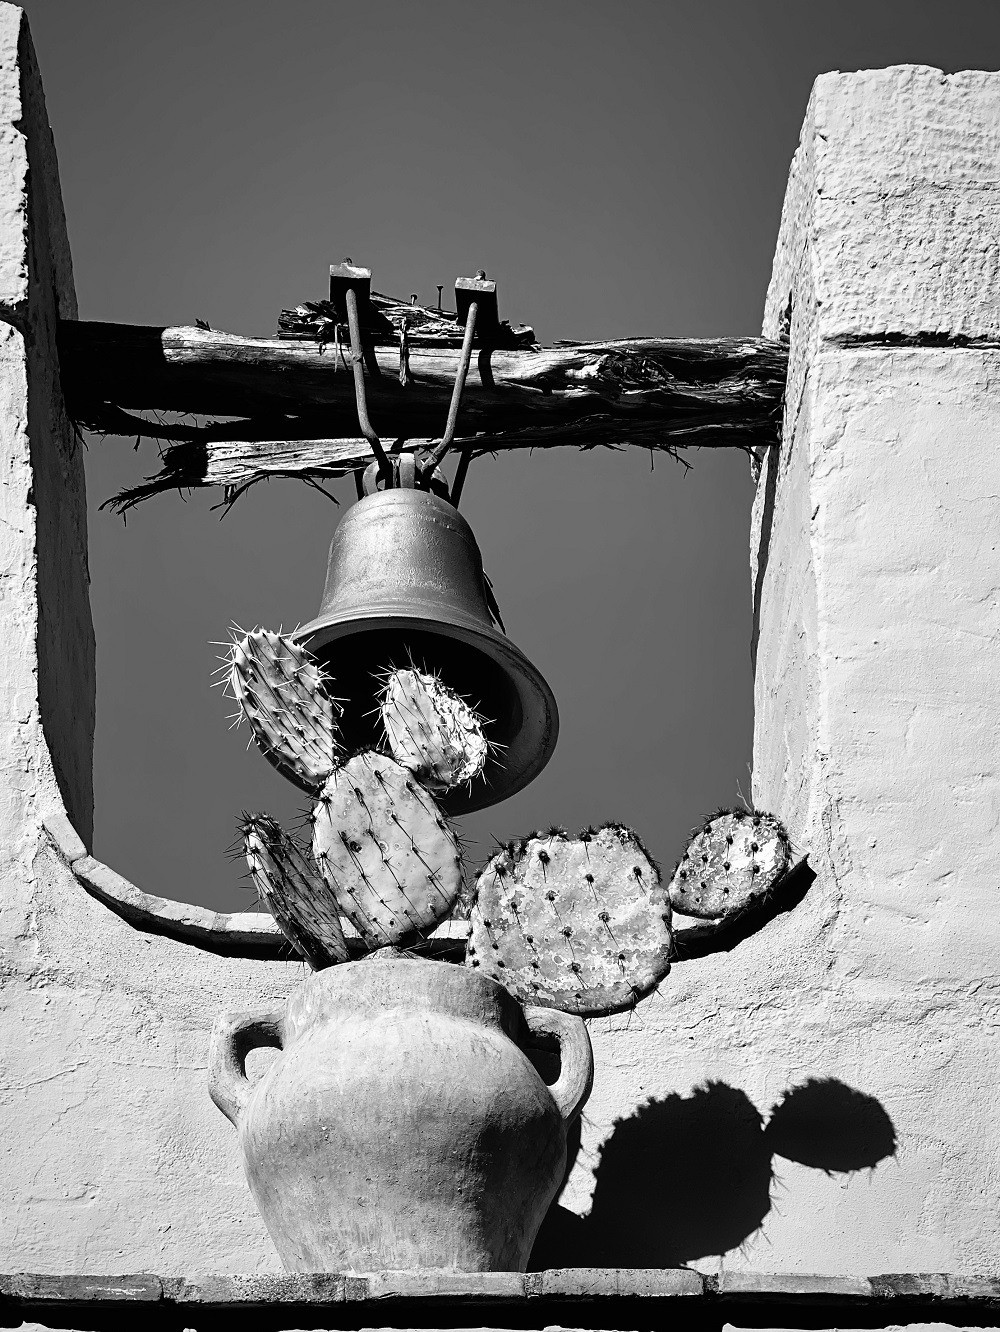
[{"x": 402, "y": 1123}]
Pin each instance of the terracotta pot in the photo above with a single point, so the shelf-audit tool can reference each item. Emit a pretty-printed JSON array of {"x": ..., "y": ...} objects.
[{"x": 403, "y": 1124}]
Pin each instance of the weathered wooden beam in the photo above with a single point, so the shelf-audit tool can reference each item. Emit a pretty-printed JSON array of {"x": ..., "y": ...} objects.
[{"x": 296, "y": 398}]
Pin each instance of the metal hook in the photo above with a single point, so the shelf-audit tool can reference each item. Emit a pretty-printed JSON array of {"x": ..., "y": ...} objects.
[
  {"x": 479, "y": 298},
  {"x": 350, "y": 278},
  {"x": 440, "y": 449}
]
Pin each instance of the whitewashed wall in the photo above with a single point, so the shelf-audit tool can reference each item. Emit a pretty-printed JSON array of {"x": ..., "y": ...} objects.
[{"x": 876, "y": 579}]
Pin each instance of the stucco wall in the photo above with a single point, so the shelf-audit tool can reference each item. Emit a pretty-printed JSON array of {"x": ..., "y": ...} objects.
[
  {"x": 875, "y": 575},
  {"x": 111, "y": 1154},
  {"x": 876, "y": 612},
  {"x": 876, "y": 685}
]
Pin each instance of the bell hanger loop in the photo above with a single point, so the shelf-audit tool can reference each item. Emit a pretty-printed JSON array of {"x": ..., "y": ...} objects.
[
  {"x": 476, "y": 300},
  {"x": 405, "y": 474}
]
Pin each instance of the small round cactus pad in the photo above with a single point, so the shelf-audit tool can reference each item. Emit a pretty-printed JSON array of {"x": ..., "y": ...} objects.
[
  {"x": 386, "y": 850},
  {"x": 579, "y": 924},
  {"x": 431, "y": 730},
  {"x": 732, "y": 862}
]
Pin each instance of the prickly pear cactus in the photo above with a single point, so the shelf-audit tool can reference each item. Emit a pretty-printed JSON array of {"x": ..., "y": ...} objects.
[
  {"x": 582, "y": 925},
  {"x": 733, "y": 861},
  {"x": 282, "y": 694},
  {"x": 385, "y": 849},
  {"x": 431, "y": 730},
  {"x": 300, "y": 901}
]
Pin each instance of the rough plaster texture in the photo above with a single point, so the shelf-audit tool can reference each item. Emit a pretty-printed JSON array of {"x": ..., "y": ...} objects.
[
  {"x": 112, "y": 1157},
  {"x": 876, "y": 589},
  {"x": 877, "y": 578}
]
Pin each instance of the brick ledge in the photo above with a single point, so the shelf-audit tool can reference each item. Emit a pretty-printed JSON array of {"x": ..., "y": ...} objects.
[{"x": 570, "y": 1285}]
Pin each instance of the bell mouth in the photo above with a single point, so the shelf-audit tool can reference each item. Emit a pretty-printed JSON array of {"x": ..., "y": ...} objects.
[{"x": 487, "y": 670}]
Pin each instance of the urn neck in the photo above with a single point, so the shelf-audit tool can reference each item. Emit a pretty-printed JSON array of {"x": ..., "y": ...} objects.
[{"x": 391, "y": 982}]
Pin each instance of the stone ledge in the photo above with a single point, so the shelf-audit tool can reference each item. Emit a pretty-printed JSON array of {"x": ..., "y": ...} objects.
[
  {"x": 792, "y": 1286},
  {"x": 433, "y": 1284},
  {"x": 249, "y": 1290},
  {"x": 555, "y": 1286},
  {"x": 589, "y": 1283},
  {"x": 937, "y": 1286},
  {"x": 41, "y": 1288}
]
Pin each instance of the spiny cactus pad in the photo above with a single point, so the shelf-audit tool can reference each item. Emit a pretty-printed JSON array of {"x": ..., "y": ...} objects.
[
  {"x": 734, "y": 860},
  {"x": 298, "y": 898},
  {"x": 582, "y": 925},
  {"x": 282, "y": 694},
  {"x": 431, "y": 730},
  {"x": 386, "y": 850}
]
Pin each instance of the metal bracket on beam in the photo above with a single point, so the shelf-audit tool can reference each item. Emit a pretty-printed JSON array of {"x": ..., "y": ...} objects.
[
  {"x": 348, "y": 276},
  {"x": 483, "y": 294}
]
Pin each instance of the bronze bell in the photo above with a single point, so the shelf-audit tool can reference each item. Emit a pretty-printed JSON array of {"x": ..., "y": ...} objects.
[{"x": 405, "y": 584}]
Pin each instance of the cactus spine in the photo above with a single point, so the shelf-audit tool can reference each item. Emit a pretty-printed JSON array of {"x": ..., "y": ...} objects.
[
  {"x": 431, "y": 730},
  {"x": 582, "y": 924},
  {"x": 729, "y": 864}
]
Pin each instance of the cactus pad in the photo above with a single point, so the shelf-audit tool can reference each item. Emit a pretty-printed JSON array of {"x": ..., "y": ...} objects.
[
  {"x": 582, "y": 925},
  {"x": 298, "y": 898},
  {"x": 281, "y": 692},
  {"x": 431, "y": 730},
  {"x": 384, "y": 847},
  {"x": 734, "y": 860}
]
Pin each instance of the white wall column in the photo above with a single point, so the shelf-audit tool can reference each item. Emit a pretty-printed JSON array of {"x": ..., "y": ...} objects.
[{"x": 877, "y": 584}]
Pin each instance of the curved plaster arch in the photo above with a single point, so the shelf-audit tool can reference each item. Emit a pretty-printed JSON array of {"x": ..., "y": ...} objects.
[{"x": 250, "y": 934}]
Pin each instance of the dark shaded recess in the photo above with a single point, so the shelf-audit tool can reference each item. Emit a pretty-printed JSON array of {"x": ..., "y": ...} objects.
[
  {"x": 698, "y": 1314},
  {"x": 773, "y": 465},
  {"x": 830, "y": 1126},
  {"x": 356, "y": 666},
  {"x": 722, "y": 936},
  {"x": 688, "y": 1177}
]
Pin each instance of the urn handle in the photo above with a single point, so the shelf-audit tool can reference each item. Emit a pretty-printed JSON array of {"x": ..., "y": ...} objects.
[
  {"x": 234, "y": 1035},
  {"x": 576, "y": 1056}
]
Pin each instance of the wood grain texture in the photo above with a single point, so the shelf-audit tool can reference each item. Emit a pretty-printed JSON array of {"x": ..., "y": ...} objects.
[{"x": 296, "y": 410}]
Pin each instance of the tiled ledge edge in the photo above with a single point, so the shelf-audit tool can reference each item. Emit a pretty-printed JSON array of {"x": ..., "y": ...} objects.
[{"x": 566, "y": 1284}]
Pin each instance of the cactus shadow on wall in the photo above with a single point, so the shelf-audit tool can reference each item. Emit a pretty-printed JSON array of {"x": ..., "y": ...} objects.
[{"x": 688, "y": 1177}]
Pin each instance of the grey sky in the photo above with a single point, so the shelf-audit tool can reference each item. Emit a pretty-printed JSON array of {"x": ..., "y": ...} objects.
[{"x": 619, "y": 169}]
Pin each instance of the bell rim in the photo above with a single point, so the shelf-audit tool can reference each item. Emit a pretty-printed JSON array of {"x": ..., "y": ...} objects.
[
  {"x": 325, "y": 629},
  {"x": 321, "y": 632}
]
